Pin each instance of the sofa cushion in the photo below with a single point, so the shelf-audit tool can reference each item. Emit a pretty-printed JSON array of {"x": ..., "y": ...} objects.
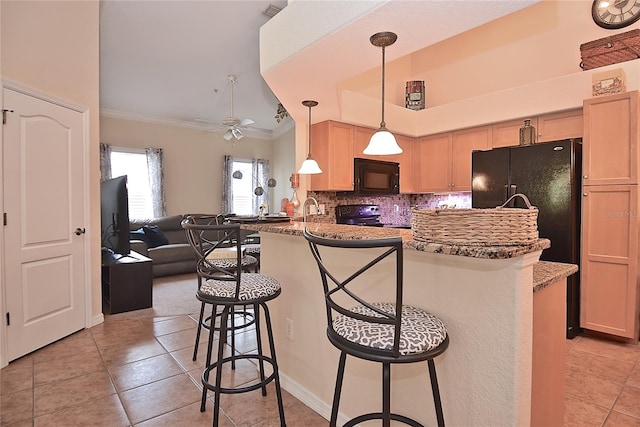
[
  {"x": 155, "y": 236},
  {"x": 171, "y": 227},
  {"x": 172, "y": 253}
]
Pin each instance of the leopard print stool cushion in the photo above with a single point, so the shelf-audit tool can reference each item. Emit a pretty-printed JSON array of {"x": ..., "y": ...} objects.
[
  {"x": 420, "y": 331},
  {"x": 252, "y": 286}
]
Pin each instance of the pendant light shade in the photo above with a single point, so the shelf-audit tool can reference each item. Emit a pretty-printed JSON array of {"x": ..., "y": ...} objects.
[
  {"x": 383, "y": 142},
  {"x": 309, "y": 166}
]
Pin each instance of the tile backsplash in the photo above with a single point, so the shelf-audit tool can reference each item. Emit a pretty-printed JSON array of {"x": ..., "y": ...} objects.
[{"x": 395, "y": 209}]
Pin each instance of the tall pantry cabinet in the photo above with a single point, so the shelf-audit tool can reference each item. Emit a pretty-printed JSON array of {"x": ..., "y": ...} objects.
[{"x": 610, "y": 300}]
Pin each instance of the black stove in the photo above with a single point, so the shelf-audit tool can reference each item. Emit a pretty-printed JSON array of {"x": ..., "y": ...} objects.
[{"x": 368, "y": 215}]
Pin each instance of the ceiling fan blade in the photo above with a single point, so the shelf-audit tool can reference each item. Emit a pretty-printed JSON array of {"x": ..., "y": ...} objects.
[{"x": 246, "y": 122}]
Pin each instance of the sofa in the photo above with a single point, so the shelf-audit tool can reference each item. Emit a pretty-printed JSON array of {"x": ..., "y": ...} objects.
[{"x": 164, "y": 241}]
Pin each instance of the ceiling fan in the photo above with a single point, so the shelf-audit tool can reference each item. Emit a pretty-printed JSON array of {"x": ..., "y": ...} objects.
[{"x": 232, "y": 123}]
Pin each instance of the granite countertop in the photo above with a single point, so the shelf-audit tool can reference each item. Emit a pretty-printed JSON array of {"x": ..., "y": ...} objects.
[
  {"x": 545, "y": 273},
  {"x": 340, "y": 231}
]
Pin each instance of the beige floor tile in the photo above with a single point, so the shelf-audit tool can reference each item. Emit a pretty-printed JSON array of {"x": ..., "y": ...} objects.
[
  {"x": 119, "y": 333},
  {"x": 105, "y": 411},
  {"x": 634, "y": 378},
  {"x": 80, "y": 342},
  {"x": 600, "y": 366},
  {"x": 591, "y": 388},
  {"x": 17, "y": 376},
  {"x": 175, "y": 324},
  {"x": 629, "y": 402},
  {"x": 187, "y": 416},
  {"x": 54, "y": 396},
  {"x": 248, "y": 409},
  {"x": 144, "y": 371},
  {"x": 185, "y": 356},
  {"x": 579, "y": 413},
  {"x": 122, "y": 354},
  {"x": 616, "y": 419},
  {"x": 615, "y": 350},
  {"x": 158, "y": 398},
  {"x": 68, "y": 366},
  {"x": 180, "y": 340},
  {"x": 16, "y": 407}
]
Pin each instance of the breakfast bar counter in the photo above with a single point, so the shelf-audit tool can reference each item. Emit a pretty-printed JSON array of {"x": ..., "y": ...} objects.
[{"x": 500, "y": 368}]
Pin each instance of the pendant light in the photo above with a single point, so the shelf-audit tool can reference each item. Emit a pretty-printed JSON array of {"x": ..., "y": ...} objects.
[
  {"x": 309, "y": 166},
  {"x": 383, "y": 142}
]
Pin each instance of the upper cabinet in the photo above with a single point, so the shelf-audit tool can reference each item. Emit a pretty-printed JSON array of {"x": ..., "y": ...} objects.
[
  {"x": 405, "y": 159},
  {"x": 549, "y": 127},
  {"x": 332, "y": 147},
  {"x": 610, "y": 145},
  {"x": 463, "y": 142},
  {"x": 443, "y": 162},
  {"x": 555, "y": 126}
]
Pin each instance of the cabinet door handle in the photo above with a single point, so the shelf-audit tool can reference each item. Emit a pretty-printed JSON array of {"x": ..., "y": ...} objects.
[
  {"x": 585, "y": 194},
  {"x": 585, "y": 177}
]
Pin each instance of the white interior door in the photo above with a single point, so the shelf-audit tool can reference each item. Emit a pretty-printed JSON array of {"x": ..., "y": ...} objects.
[{"x": 44, "y": 234}]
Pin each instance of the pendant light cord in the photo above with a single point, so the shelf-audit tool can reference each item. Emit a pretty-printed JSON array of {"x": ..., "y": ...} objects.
[
  {"x": 309, "y": 134},
  {"x": 382, "y": 123}
]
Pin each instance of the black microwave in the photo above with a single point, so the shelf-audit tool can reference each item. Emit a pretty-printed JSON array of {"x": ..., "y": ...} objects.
[{"x": 375, "y": 177}]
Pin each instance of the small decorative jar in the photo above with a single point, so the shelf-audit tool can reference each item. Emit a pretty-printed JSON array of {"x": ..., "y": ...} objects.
[{"x": 527, "y": 133}]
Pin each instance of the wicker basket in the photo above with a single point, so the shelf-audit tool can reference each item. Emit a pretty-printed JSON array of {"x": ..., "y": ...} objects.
[
  {"x": 478, "y": 227},
  {"x": 610, "y": 50}
]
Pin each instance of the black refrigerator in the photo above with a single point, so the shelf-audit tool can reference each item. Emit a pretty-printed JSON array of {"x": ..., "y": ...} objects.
[{"x": 549, "y": 174}]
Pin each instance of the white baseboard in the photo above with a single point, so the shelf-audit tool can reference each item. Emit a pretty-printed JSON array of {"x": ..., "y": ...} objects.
[
  {"x": 309, "y": 399},
  {"x": 97, "y": 319}
]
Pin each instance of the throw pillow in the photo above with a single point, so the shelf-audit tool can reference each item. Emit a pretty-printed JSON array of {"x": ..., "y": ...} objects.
[
  {"x": 138, "y": 235},
  {"x": 155, "y": 236}
]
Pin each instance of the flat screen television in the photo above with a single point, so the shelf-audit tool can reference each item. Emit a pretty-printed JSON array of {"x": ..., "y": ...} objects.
[{"x": 114, "y": 208}]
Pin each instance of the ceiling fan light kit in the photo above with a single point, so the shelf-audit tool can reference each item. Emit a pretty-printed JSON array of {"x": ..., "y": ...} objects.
[
  {"x": 383, "y": 142},
  {"x": 233, "y": 124},
  {"x": 309, "y": 166}
]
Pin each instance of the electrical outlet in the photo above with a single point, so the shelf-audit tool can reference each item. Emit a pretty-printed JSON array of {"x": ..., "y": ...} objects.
[
  {"x": 289, "y": 329},
  {"x": 322, "y": 209},
  {"x": 313, "y": 210}
]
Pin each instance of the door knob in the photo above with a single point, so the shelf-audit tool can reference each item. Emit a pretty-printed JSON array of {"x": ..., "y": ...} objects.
[{"x": 79, "y": 231}]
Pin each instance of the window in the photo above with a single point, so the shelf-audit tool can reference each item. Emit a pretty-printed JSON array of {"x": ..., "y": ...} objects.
[
  {"x": 238, "y": 194},
  {"x": 133, "y": 163}
]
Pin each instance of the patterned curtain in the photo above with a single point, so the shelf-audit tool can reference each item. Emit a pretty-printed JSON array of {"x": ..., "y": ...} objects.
[
  {"x": 260, "y": 172},
  {"x": 227, "y": 185},
  {"x": 105, "y": 162},
  {"x": 156, "y": 181}
]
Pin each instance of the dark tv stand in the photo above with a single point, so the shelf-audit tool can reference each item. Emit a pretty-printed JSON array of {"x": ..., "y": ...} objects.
[{"x": 127, "y": 282}]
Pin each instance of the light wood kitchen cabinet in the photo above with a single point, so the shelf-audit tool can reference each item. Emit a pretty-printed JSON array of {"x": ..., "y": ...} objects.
[
  {"x": 332, "y": 147},
  {"x": 443, "y": 162},
  {"x": 610, "y": 144},
  {"x": 361, "y": 137},
  {"x": 462, "y": 144},
  {"x": 405, "y": 159},
  {"x": 609, "y": 263},
  {"x": 549, "y": 127},
  {"x": 507, "y": 134},
  {"x": 432, "y": 163},
  {"x": 556, "y": 126}
]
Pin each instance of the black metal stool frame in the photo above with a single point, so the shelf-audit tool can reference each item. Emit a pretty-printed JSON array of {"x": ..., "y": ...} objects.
[
  {"x": 386, "y": 357},
  {"x": 203, "y": 270},
  {"x": 229, "y": 234}
]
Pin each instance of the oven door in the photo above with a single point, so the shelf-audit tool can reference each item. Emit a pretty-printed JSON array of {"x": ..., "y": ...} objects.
[{"x": 376, "y": 177}]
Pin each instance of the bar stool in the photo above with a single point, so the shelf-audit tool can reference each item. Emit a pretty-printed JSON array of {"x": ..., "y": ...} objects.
[
  {"x": 383, "y": 332},
  {"x": 228, "y": 288},
  {"x": 204, "y": 270}
]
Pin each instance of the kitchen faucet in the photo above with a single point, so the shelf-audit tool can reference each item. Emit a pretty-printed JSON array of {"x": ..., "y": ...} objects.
[{"x": 304, "y": 207}]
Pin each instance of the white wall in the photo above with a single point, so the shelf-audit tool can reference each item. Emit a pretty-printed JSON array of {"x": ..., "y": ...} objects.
[
  {"x": 193, "y": 160},
  {"x": 52, "y": 46}
]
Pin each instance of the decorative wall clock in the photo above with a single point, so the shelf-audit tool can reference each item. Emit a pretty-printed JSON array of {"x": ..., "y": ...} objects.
[{"x": 614, "y": 14}]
